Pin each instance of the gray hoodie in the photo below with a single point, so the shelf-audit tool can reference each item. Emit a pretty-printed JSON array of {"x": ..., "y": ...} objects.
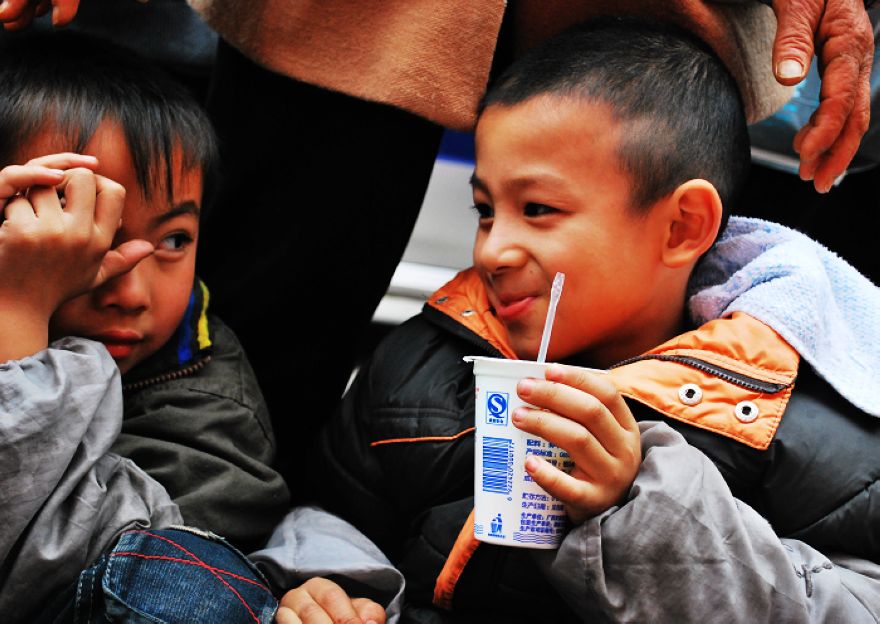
[{"x": 64, "y": 498}]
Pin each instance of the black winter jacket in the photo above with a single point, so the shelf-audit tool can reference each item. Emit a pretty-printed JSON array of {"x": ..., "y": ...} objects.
[{"x": 398, "y": 462}]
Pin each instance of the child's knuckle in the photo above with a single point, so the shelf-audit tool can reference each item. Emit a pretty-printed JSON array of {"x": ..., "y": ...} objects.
[
  {"x": 582, "y": 438},
  {"x": 310, "y": 610}
]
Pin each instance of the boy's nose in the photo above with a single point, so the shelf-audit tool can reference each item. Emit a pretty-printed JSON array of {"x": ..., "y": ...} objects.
[
  {"x": 129, "y": 292},
  {"x": 498, "y": 249}
]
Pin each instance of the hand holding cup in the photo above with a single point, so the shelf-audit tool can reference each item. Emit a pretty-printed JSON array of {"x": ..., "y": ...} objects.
[{"x": 584, "y": 414}]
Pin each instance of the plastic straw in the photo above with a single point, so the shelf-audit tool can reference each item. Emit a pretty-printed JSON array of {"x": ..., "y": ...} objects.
[{"x": 555, "y": 293}]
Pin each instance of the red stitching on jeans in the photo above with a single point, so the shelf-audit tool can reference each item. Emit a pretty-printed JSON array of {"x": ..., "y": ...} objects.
[
  {"x": 202, "y": 564},
  {"x": 187, "y": 562}
]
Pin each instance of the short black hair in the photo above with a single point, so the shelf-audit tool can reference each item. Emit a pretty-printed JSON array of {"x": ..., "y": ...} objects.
[
  {"x": 69, "y": 83},
  {"x": 681, "y": 111}
]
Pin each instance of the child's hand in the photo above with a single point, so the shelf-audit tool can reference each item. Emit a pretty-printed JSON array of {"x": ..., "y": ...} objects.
[
  {"x": 18, "y": 14},
  {"x": 43, "y": 171},
  {"x": 585, "y": 416},
  {"x": 50, "y": 252},
  {"x": 321, "y": 601}
]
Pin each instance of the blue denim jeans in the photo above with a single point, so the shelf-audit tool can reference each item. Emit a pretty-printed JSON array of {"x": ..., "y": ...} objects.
[{"x": 170, "y": 576}]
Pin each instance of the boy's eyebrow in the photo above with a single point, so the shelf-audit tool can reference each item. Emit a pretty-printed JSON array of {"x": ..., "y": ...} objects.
[
  {"x": 187, "y": 207},
  {"x": 478, "y": 183},
  {"x": 525, "y": 181}
]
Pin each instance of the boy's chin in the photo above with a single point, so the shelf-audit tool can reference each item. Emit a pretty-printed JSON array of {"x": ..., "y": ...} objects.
[{"x": 526, "y": 348}]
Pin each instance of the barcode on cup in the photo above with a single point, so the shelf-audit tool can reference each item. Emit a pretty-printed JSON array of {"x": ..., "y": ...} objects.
[{"x": 497, "y": 465}]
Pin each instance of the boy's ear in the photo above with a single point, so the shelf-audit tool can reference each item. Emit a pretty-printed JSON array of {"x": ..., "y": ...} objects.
[{"x": 693, "y": 213}]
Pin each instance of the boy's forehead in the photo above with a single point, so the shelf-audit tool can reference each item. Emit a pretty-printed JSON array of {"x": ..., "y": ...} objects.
[
  {"x": 549, "y": 125},
  {"x": 109, "y": 145}
]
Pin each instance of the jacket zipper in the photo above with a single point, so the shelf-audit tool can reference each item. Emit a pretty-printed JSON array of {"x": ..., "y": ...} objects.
[
  {"x": 182, "y": 372},
  {"x": 744, "y": 381}
]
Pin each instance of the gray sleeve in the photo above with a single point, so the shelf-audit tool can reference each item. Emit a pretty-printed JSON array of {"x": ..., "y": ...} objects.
[
  {"x": 63, "y": 497},
  {"x": 683, "y": 549},
  {"x": 310, "y": 542}
]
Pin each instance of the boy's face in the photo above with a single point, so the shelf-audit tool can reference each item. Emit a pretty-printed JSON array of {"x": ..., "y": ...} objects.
[
  {"x": 551, "y": 197},
  {"x": 136, "y": 313}
]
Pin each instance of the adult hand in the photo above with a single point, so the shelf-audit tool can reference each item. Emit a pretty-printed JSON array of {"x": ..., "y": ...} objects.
[
  {"x": 584, "y": 414},
  {"x": 18, "y": 14},
  {"x": 321, "y": 601},
  {"x": 843, "y": 39}
]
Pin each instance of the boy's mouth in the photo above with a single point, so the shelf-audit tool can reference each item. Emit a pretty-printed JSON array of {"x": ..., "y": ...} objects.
[
  {"x": 511, "y": 308},
  {"x": 120, "y": 343}
]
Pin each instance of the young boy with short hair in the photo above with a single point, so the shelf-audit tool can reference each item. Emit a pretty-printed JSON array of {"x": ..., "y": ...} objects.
[
  {"x": 186, "y": 438},
  {"x": 613, "y": 153}
]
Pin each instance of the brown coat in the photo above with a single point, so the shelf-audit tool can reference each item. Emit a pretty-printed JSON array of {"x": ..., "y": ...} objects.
[{"x": 432, "y": 57}]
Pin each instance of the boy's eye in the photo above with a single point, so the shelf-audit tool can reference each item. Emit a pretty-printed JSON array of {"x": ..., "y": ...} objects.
[
  {"x": 484, "y": 211},
  {"x": 536, "y": 210},
  {"x": 175, "y": 242}
]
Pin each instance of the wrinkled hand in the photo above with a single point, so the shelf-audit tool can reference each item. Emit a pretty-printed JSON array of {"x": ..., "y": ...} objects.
[
  {"x": 18, "y": 14},
  {"x": 584, "y": 414},
  {"x": 321, "y": 601},
  {"x": 844, "y": 42}
]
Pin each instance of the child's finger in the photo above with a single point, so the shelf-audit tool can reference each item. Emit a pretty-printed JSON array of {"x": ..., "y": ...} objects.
[
  {"x": 43, "y": 8},
  {"x": 306, "y": 609},
  {"x": 47, "y": 205},
  {"x": 571, "y": 491},
  {"x": 598, "y": 386},
  {"x": 11, "y": 10},
  {"x": 368, "y": 611},
  {"x": 64, "y": 11},
  {"x": 122, "y": 260},
  {"x": 19, "y": 213},
  {"x": 333, "y": 601},
  {"x": 65, "y": 160},
  {"x": 79, "y": 188},
  {"x": 17, "y": 178},
  {"x": 286, "y": 616},
  {"x": 23, "y": 21},
  {"x": 586, "y": 451},
  {"x": 586, "y": 411},
  {"x": 109, "y": 202}
]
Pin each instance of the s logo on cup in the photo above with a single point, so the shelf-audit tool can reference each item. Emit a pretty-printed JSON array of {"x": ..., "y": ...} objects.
[{"x": 496, "y": 408}]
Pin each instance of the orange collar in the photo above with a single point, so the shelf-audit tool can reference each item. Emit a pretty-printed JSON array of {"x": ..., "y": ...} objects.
[{"x": 728, "y": 404}]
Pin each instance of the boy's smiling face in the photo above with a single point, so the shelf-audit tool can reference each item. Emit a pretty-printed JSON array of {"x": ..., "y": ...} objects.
[
  {"x": 552, "y": 197},
  {"x": 136, "y": 313}
]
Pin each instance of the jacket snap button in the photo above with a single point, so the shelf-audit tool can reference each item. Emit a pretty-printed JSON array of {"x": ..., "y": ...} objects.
[
  {"x": 746, "y": 411},
  {"x": 690, "y": 394},
  {"x": 467, "y": 312}
]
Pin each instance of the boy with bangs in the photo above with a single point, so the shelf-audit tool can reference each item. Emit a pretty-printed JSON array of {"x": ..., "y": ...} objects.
[
  {"x": 186, "y": 439},
  {"x": 613, "y": 153}
]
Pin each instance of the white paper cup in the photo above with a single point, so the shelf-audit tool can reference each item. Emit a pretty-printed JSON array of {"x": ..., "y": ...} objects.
[{"x": 510, "y": 508}]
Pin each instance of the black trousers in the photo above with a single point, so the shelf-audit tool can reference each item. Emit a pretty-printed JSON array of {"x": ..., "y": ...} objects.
[{"x": 307, "y": 219}]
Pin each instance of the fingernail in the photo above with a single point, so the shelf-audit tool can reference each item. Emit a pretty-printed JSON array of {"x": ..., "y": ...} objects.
[
  {"x": 789, "y": 68},
  {"x": 554, "y": 370},
  {"x": 531, "y": 464},
  {"x": 3, "y": 7},
  {"x": 525, "y": 387},
  {"x": 518, "y": 415},
  {"x": 57, "y": 171},
  {"x": 55, "y": 13}
]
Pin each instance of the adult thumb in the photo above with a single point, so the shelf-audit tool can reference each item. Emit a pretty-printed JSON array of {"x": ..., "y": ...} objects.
[{"x": 796, "y": 21}]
